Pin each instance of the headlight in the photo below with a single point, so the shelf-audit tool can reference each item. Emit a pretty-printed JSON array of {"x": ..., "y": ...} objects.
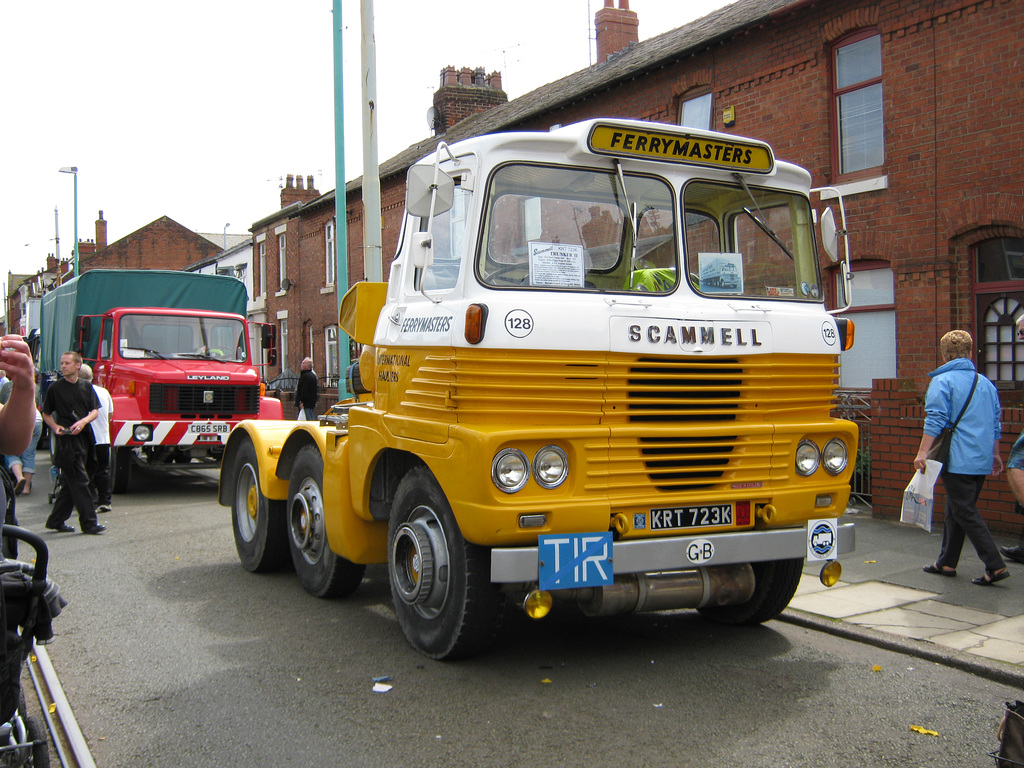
[
  {"x": 833, "y": 456},
  {"x": 143, "y": 433},
  {"x": 510, "y": 470},
  {"x": 550, "y": 466},
  {"x": 807, "y": 458}
]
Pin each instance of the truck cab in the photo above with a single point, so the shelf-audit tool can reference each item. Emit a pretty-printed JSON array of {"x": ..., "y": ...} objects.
[{"x": 601, "y": 371}]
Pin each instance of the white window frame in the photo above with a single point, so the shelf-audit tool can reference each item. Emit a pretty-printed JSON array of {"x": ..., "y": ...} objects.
[
  {"x": 332, "y": 360},
  {"x": 263, "y": 267},
  {"x": 697, "y": 110},
  {"x": 282, "y": 259},
  {"x": 330, "y": 256}
]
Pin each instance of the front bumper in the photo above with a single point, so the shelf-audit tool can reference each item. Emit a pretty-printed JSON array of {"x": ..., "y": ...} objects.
[{"x": 519, "y": 565}]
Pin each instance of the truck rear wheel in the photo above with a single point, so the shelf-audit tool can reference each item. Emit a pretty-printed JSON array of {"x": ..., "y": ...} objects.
[
  {"x": 775, "y": 584},
  {"x": 258, "y": 523},
  {"x": 321, "y": 572},
  {"x": 120, "y": 469},
  {"x": 440, "y": 583}
]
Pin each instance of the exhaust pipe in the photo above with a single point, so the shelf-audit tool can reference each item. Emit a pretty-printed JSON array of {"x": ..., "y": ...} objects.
[{"x": 668, "y": 590}]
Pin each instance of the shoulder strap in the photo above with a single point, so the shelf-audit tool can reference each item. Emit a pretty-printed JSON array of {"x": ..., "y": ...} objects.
[{"x": 969, "y": 396}]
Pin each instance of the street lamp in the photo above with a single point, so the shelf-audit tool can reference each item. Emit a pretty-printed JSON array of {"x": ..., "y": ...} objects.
[{"x": 73, "y": 170}]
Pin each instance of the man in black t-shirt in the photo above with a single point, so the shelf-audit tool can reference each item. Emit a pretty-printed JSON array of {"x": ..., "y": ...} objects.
[{"x": 69, "y": 407}]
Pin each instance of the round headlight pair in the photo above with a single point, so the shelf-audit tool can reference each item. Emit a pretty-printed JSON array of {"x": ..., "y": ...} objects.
[
  {"x": 832, "y": 457},
  {"x": 510, "y": 469}
]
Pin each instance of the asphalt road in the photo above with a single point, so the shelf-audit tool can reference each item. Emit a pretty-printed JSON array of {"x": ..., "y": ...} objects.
[{"x": 171, "y": 654}]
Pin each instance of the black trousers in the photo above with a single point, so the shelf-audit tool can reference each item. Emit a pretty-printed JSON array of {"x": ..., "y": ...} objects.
[
  {"x": 98, "y": 469},
  {"x": 74, "y": 494},
  {"x": 964, "y": 520}
]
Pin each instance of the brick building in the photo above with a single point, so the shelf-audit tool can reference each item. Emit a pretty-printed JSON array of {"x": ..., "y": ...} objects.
[
  {"x": 161, "y": 244},
  {"x": 910, "y": 108}
]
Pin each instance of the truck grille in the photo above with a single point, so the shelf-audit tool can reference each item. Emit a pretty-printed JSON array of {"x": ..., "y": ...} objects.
[
  {"x": 194, "y": 400},
  {"x": 675, "y": 424}
]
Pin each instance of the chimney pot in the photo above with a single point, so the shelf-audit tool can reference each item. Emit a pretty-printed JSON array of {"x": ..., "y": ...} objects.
[{"x": 309, "y": 183}]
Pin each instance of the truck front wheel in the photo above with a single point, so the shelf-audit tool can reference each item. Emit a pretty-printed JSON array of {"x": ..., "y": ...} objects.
[
  {"x": 440, "y": 583},
  {"x": 321, "y": 572},
  {"x": 775, "y": 584},
  {"x": 258, "y": 522}
]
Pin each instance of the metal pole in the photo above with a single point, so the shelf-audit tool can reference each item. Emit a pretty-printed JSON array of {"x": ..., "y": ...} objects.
[
  {"x": 76, "y": 222},
  {"x": 372, "y": 247},
  {"x": 341, "y": 225}
]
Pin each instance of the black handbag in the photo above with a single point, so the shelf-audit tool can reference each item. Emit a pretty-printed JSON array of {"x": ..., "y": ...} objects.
[{"x": 940, "y": 448}]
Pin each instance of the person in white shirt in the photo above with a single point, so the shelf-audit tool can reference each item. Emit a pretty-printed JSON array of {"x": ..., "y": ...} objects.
[{"x": 99, "y": 471}]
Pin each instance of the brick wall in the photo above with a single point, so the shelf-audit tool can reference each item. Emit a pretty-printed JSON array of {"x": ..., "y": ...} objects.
[
  {"x": 897, "y": 418},
  {"x": 161, "y": 244}
]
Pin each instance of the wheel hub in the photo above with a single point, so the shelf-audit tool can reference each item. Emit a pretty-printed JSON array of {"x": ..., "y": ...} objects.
[
  {"x": 419, "y": 562},
  {"x": 306, "y": 521}
]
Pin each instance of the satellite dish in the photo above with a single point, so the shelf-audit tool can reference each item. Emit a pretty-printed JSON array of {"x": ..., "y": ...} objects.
[{"x": 434, "y": 119}]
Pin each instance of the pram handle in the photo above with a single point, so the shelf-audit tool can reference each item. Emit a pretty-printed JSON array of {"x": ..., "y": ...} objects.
[{"x": 35, "y": 541}]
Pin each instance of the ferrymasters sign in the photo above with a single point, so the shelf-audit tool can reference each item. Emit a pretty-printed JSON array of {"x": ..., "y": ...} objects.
[{"x": 686, "y": 148}]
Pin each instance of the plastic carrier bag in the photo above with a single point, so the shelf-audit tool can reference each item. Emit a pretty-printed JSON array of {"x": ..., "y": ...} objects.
[{"x": 918, "y": 497}]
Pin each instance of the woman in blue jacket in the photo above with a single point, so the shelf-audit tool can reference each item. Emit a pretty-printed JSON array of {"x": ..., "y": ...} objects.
[{"x": 973, "y": 454}]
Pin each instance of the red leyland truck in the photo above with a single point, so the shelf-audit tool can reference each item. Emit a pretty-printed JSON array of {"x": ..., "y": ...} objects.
[
  {"x": 175, "y": 352},
  {"x": 552, "y": 405}
]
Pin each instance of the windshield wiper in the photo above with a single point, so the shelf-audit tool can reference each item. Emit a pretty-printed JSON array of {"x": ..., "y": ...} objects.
[{"x": 759, "y": 218}]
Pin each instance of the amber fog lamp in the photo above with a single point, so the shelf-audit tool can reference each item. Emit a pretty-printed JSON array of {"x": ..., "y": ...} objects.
[
  {"x": 476, "y": 319},
  {"x": 538, "y": 604},
  {"x": 830, "y": 573}
]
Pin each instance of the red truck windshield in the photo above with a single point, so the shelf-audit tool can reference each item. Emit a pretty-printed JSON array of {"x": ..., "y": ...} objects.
[{"x": 174, "y": 337}]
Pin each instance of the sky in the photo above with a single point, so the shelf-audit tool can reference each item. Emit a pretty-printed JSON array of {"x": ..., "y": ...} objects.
[{"x": 198, "y": 110}]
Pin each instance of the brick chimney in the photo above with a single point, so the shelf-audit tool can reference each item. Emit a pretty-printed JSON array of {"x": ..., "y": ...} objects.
[
  {"x": 294, "y": 191},
  {"x": 101, "y": 232},
  {"x": 617, "y": 29},
  {"x": 464, "y": 93}
]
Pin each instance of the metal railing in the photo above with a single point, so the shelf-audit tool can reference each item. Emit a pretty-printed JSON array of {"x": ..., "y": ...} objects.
[{"x": 855, "y": 405}]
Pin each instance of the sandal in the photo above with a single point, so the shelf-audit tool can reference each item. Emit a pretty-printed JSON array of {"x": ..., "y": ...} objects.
[
  {"x": 940, "y": 571},
  {"x": 19, "y": 487},
  {"x": 991, "y": 578}
]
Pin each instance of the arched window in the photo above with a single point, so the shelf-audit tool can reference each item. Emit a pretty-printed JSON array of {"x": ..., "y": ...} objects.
[
  {"x": 695, "y": 111},
  {"x": 999, "y": 302}
]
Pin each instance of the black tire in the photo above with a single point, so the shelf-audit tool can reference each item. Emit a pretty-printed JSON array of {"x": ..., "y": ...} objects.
[
  {"x": 440, "y": 583},
  {"x": 261, "y": 535},
  {"x": 41, "y": 751},
  {"x": 120, "y": 469},
  {"x": 775, "y": 583},
  {"x": 321, "y": 572}
]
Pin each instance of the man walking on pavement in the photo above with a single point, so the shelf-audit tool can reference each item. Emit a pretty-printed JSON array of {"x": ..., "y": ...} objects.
[
  {"x": 99, "y": 468},
  {"x": 307, "y": 391},
  {"x": 68, "y": 409}
]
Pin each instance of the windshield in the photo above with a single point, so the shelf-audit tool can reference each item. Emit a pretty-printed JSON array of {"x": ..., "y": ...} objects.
[
  {"x": 557, "y": 228},
  {"x": 749, "y": 242},
  {"x": 170, "y": 336}
]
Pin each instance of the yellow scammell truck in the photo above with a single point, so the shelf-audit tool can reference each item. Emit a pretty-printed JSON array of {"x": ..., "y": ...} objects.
[{"x": 552, "y": 404}]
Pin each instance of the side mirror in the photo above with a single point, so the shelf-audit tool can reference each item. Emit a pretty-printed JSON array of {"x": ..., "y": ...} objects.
[
  {"x": 269, "y": 341},
  {"x": 424, "y": 183},
  {"x": 84, "y": 334},
  {"x": 830, "y": 235}
]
